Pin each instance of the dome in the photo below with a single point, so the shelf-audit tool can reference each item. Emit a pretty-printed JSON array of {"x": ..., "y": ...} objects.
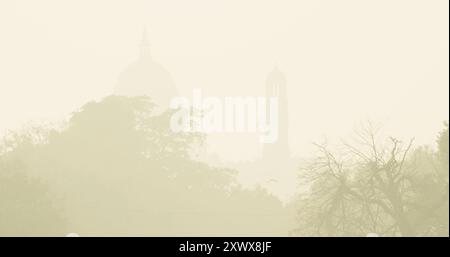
[{"x": 145, "y": 77}]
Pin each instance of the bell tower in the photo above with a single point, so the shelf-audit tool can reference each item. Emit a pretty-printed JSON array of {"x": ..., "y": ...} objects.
[{"x": 276, "y": 87}]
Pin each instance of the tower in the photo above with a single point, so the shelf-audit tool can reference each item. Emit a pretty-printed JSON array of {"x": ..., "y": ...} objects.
[{"x": 276, "y": 87}]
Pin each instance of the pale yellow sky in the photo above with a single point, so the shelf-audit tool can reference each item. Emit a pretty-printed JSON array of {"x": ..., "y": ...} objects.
[{"x": 345, "y": 61}]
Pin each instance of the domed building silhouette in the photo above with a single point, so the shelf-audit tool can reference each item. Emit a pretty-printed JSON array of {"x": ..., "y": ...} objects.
[{"x": 145, "y": 77}]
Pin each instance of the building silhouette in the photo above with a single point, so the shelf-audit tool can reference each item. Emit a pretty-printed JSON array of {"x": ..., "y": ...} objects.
[
  {"x": 146, "y": 77},
  {"x": 276, "y": 87}
]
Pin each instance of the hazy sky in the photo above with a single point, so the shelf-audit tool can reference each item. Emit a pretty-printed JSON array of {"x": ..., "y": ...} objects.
[{"x": 345, "y": 61}]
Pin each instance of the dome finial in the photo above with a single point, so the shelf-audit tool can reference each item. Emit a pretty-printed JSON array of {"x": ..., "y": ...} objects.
[
  {"x": 145, "y": 45},
  {"x": 144, "y": 40},
  {"x": 275, "y": 67}
]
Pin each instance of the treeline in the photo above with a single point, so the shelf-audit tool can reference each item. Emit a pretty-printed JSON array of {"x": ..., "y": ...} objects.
[{"x": 117, "y": 169}]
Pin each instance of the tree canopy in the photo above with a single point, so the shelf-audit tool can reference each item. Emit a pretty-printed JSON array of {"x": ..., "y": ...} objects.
[{"x": 116, "y": 168}]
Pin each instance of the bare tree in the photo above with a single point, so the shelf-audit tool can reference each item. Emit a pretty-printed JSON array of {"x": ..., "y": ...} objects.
[{"x": 371, "y": 186}]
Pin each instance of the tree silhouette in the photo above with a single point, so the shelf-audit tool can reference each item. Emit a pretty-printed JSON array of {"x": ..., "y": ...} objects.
[
  {"x": 120, "y": 170},
  {"x": 371, "y": 187}
]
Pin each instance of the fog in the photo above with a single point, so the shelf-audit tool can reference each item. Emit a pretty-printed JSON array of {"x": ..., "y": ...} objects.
[
  {"x": 344, "y": 61},
  {"x": 75, "y": 77}
]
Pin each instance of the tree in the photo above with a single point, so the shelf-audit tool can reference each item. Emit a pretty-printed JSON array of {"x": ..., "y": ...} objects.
[
  {"x": 27, "y": 205},
  {"x": 374, "y": 186},
  {"x": 120, "y": 170}
]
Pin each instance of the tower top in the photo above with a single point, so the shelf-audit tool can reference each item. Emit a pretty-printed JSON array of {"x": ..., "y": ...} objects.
[
  {"x": 278, "y": 152},
  {"x": 276, "y": 76}
]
